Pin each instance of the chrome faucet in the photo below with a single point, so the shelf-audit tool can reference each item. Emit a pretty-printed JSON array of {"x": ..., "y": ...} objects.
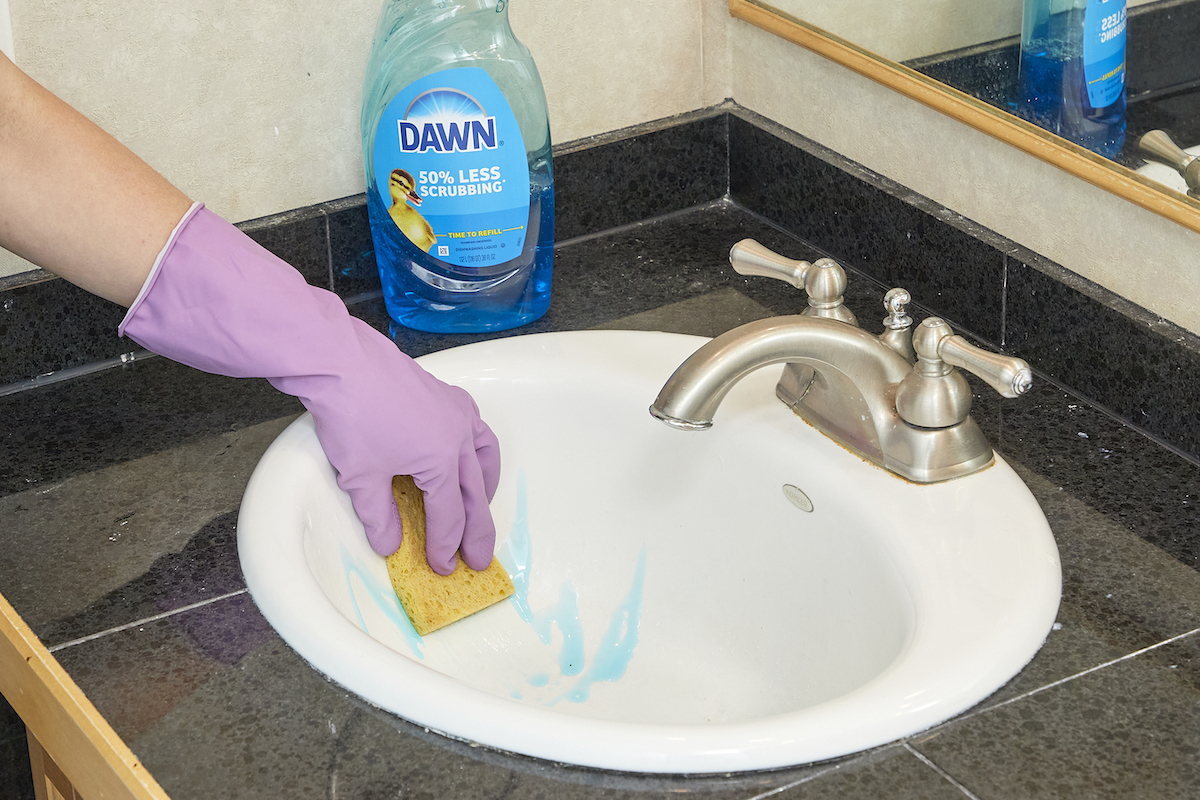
[{"x": 864, "y": 392}]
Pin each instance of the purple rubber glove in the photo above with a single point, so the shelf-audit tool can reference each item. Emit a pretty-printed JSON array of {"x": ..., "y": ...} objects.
[{"x": 217, "y": 301}]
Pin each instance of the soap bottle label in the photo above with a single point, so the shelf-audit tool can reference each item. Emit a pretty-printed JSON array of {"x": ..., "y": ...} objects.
[
  {"x": 450, "y": 152},
  {"x": 1104, "y": 51}
]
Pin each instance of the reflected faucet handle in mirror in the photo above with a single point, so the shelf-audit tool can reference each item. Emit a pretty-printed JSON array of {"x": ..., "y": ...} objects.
[
  {"x": 823, "y": 280},
  {"x": 1160, "y": 147}
]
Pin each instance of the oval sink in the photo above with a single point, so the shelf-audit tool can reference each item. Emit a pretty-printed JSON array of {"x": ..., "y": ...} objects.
[{"x": 749, "y": 597}]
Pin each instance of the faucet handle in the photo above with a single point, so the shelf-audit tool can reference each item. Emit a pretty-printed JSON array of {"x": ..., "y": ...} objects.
[
  {"x": 933, "y": 395},
  {"x": 1008, "y": 375},
  {"x": 824, "y": 280},
  {"x": 825, "y": 285},
  {"x": 1158, "y": 146},
  {"x": 748, "y": 257}
]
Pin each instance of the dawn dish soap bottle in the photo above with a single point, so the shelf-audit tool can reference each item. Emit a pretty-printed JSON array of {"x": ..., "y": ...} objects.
[
  {"x": 460, "y": 188},
  {"x": 1072, "y": 74}
]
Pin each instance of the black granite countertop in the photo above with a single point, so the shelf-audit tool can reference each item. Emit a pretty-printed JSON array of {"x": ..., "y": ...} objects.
[{"x": 118, "y": 506}]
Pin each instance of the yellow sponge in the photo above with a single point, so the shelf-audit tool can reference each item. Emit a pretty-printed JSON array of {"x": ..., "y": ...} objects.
[{"x": 433, "y": 601}]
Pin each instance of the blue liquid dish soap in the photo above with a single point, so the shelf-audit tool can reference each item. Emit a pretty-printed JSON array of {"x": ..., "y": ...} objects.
[
  {"x": 1072, "y": 75},
  {"x": 460, "y": 188}
]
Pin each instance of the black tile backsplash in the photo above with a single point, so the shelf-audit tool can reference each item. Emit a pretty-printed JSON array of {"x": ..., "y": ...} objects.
[
  {"x": 1077, "y": 333},
  {"x": 50, "y": 325},
  {"x": 871, "y": 225},
  {"x": 299, "y": 238},
  {"x": 631, "y": 179},
  {"x": 1160, "y": 46},
  {"x": 53, "y": 325},
  {"x": 351, "y": 253},
  {"x": 1138, "y": 367}
]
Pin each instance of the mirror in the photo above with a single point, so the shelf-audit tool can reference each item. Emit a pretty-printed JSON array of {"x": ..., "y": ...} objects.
[{"x": 961, "y": 58}]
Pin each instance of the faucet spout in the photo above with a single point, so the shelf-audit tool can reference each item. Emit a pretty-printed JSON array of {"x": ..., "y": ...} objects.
[
  {"x": 840, "y": 379},
  {"x": 692, "y": 395}
]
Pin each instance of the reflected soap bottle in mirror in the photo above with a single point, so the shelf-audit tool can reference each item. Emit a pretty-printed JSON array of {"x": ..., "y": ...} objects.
[{"x": 1072, "y": 74}]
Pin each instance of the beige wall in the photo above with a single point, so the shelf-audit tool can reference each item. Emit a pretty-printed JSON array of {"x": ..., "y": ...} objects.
[
  {"x": 255, "y": 122},
  {"x": 907, "y": 29},
  {"x": 5, "y": 30},
  {"x": 253, "y": 107}
]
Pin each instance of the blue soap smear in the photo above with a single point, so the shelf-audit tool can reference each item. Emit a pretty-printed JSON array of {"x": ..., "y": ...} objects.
[
  {"x": 384, "y": 597},
  {"x": 517, "y": 557},
  {"x": 617, "y": 646}
]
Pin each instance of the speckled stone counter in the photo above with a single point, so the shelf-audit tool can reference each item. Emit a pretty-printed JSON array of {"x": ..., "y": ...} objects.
[{"x": 118, "y": 502}]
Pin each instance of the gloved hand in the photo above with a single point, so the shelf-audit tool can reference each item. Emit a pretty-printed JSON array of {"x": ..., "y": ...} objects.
[{"x": 217, "y": 301}]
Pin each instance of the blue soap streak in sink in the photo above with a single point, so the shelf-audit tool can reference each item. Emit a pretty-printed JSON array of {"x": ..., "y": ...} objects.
[
  {"x": 616, "y": 647},
  {"x": 517, "y": 558},
  {"x": 385, "y": 598}
]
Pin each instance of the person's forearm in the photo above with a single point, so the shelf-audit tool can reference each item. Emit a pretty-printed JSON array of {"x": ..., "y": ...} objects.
[{"x": 75, "y": 201}]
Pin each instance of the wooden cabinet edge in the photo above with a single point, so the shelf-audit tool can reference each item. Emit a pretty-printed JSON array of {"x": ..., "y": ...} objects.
[
  {"x": 49, "y": 782},
  {"x": 63, "y": 722}
]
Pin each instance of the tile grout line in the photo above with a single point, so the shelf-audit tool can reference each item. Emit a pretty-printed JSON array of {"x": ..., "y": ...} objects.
[
  {"x": 67, "y": 373},
  {"x": 905, "y": 743},
  {"x": 850, "y": 757},
  {"x": 329, "y": 283},
  {"x": 1068, "y": 679},
  {"x": 642, "y": 223},
  {"x": 801, "y": 782},
  {"x": 1004, "y": 304},
  {"x": 945, "y": 775},
  {"x": 155, "y": 618}
]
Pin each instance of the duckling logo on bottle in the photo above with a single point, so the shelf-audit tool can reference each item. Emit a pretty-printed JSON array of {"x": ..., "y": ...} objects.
[{"x": 449, "y": 145}]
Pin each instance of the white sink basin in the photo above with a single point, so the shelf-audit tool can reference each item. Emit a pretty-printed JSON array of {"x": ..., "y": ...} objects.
[{"x": 748, "y": 597}]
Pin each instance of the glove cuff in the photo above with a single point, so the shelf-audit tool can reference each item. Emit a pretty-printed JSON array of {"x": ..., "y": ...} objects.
[{"x": 148, "y": 284}]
